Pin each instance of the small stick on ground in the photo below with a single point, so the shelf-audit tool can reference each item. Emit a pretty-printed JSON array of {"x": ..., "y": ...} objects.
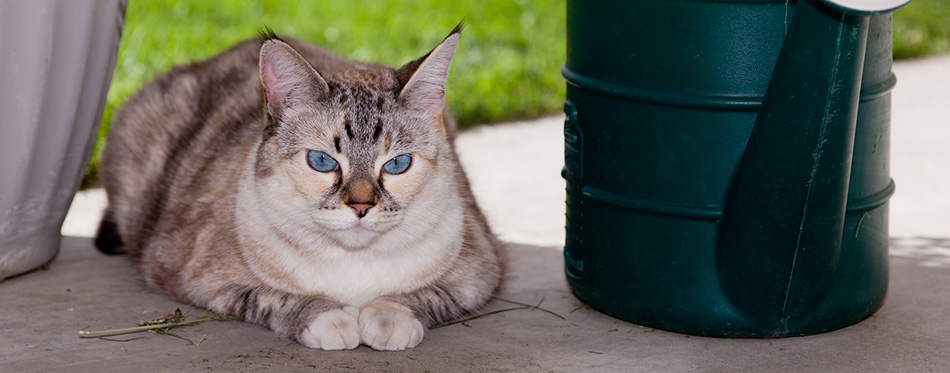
[
  {"x": 197, "y": 344},
  {"x": 483, "y": 315},
  {"x": 119, "y": 340},
  {"x": 524, "y": 306},
  {"x": 536, "y": 307},
  {"x": 176, "y": 321},
  {"x": 583, "y": 305}
]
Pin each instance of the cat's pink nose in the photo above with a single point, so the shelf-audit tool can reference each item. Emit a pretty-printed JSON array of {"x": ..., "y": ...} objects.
[{"x": 361, "y": 208}]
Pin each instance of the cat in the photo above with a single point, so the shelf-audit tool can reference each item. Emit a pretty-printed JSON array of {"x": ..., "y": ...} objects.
[{"x": 287, "y": 186}]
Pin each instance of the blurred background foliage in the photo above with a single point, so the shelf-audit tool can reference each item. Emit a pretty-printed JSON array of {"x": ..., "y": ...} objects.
[
  {"x": 922, "y": 28},
  {"x": 507, "y": 67}
]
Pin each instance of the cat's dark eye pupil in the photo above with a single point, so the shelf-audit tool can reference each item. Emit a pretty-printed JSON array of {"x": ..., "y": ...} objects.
[
  {"x": 321, "y": 161},
  {"x": 398, "y": 165}
]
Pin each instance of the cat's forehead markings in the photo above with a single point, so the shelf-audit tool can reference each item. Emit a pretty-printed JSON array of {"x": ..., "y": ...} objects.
[
  {"x": 367, "y": 84},
  {"x": 347, "y": 126},
  {"x": 379, "y": 129}
]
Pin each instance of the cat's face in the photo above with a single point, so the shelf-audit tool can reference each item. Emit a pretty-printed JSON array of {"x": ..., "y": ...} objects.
[
  {"x": 354, "y": 173},
  {"x": 351, "y": 154}
]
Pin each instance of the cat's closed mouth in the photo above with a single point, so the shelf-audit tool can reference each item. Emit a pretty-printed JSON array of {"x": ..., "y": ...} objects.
[{"x": 360, "y": 228}]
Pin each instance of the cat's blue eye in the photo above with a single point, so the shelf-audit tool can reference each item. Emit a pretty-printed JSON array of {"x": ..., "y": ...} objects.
[
  {"x": 398, "y": 165},
  {"x": 321, "y": 161}
]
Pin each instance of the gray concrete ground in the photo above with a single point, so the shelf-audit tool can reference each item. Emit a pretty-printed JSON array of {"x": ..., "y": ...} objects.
[{"x": 515, "y": 174}]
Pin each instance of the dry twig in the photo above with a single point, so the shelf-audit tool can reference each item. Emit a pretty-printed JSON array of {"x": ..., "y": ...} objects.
[
  {"x": 524, "y": 306},
  {"x": 160, "y": 326}
]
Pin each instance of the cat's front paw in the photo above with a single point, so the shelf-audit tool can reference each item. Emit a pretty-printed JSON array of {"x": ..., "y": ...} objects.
[
  {"x": 333, "y": 330},
  {"x": 390, "y": 326}
]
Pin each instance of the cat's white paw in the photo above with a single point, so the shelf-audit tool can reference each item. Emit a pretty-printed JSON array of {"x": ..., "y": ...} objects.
[
  {"x": 390, "y": 326},
  {"x": 333, "y": 330}
]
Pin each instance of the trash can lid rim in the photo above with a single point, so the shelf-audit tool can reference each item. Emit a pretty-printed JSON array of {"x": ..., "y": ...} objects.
[{"x": 866, "y": 6}]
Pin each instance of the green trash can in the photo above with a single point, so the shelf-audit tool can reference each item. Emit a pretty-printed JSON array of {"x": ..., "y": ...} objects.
[{"x": 727, "y": 162}]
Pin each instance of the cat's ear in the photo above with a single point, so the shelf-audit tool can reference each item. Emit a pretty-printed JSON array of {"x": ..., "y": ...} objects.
[
  {"x": 423, "y": 80},
  {"x": 288, "y": 78}
]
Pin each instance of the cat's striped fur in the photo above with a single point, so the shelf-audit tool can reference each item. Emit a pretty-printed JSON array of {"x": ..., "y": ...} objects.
[{"x": 210, "y": 190}]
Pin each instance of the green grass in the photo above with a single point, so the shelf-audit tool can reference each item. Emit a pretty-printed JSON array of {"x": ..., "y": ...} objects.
[
  {"x": 507, "y": 66},
  {"x": 922, "y": 28}
]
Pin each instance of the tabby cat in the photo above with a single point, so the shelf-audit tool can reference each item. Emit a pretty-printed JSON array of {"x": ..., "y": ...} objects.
[{"x": 290, "y": 187}]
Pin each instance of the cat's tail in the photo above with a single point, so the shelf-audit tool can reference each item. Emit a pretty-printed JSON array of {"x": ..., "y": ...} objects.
[{"x": 108, "y": 240}]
